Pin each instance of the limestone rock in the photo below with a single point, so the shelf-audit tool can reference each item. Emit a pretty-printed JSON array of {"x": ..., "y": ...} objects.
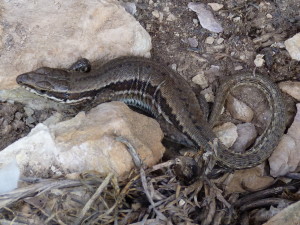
[
  {"x": 87, "y": 142},
  {"x": 206, "y": 18},
  {"x": 292, "y": 45},
  {"x": 9, "y": 176},
  {"x": 246, "y": 136},
  {"x": 200, "y": 79},
  {"x": 289, "y": 216},
  {"x": 215, "y": 6},
  {"x": 291, "y": 87},
  {"x": 90, "y": 29},
  {"x": 239, "y": 110},
  {"x": 227, "y": 133},
  {"x": 286, "y": 156},
  {"x": 253, "y": 178},
  {"x": 259, "y": 60}
]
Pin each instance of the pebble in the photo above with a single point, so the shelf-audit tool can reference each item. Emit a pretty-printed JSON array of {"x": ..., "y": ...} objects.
[
  {"x": 227, "y": 133},
  {"x": 292, "y": 45},
  {"x": 237, "y": 68},
  {"x": 200, "y": 80},
  {"x": 209, "y": 40},
  {"x": 239, "y": 110},
  {"x": 195, "y": 21},
  {"x": 155, "y": 13},
  {"x": 220, "y": 41},
  {"x": 206, "y": 17},
  {"x": 269, "y": 16},
  {"x": 193, "y": 42},
  {"x": 215, "y": 6},
  {"x": 246, "y": 136},
  {"x": 259, "y": 60}
]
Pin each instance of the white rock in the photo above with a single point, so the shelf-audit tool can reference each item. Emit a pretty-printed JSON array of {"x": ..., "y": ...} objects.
[
  {"x": 292, "y": 45},
  {"x": 215, "y": 6},
  {"x": 286, "y": 156},
  {"x": 208, "y": 94},
  {"x": 291, "y": 87},
  {"x": 289, "y": 216},
  {"x": 87, "y": 142},
  {"x": 246, "y": 136},
  {"x": 200, "y": 80},
  {"x": 238, "y": 68},
  {"x": 130, "y": 7},
  {"x": 209, "y": 40},
  {"x": 220, "y": 41},
  {"x": 206, "y": 17},
  {"x": 90, "y": 29},
  {"x": 269, "y": 16},
  {"x": 227, "y": 133},
  {"x": 259, "y": 60},
  {"x": 9, "y": 176},
  {"x": 239, "y": 110},
  {"x": 155, "y": 13}
]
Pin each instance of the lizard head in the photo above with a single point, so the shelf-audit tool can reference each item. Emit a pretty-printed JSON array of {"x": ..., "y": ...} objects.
[{"x": 47, "y": 82}]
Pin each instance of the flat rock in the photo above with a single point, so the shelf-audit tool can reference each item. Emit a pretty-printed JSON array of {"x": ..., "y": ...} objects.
[
  {"x": 292, "y": 45},
  {"x": 200, "y": 79},
  {"x": 88, "y": 142},
  {"x": 286, "y": 156},
  {"x": 289, "y": 216},
  {"x": 206, "y": 18},
  {"x": 239, "y": 110},
  {"x": 246, "y": 137},
  {"x": 291, "y": 87},
  {"x": 90, "y": 29},
  {"x": 253, "y": 178},
  {"x": 227, "y": 133}
]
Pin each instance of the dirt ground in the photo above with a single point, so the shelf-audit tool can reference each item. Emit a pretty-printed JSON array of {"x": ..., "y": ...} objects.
[{"x": 250, "y": 28}]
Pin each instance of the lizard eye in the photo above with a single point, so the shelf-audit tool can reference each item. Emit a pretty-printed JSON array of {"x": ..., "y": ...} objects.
[{"x": 44, "y": 85}]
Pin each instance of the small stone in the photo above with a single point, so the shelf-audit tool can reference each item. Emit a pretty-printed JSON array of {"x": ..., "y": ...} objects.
[
  {"x": 246, "y": 137},
  {"x": 259, "y": 60},
  {"x": 200, "y": 79},
  {"x": 227, "y": 133},
  {"x": 220, "y": 41},
  {"x": 215, "y": 6},
  {"x": 208, "y": 94},
  {"x": 171, "y": 17},
  {"x": 174, "y": 66},
  {"x": 239, "y": 110},
  {"x": 195, "y": 21},
  {"x": 291, "y": 87},
  {"x": 206, "y": 17},
  {"x": 155, "y": 13},
  {"x": 193, "y": 42},
  {"x": 237, "y": 19},
  {"x": 292, "y": 45},
  {"x": 238, "y": 68},
  {"x": 209, "y": 40},
  {"x": 269, "y": 16}
]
